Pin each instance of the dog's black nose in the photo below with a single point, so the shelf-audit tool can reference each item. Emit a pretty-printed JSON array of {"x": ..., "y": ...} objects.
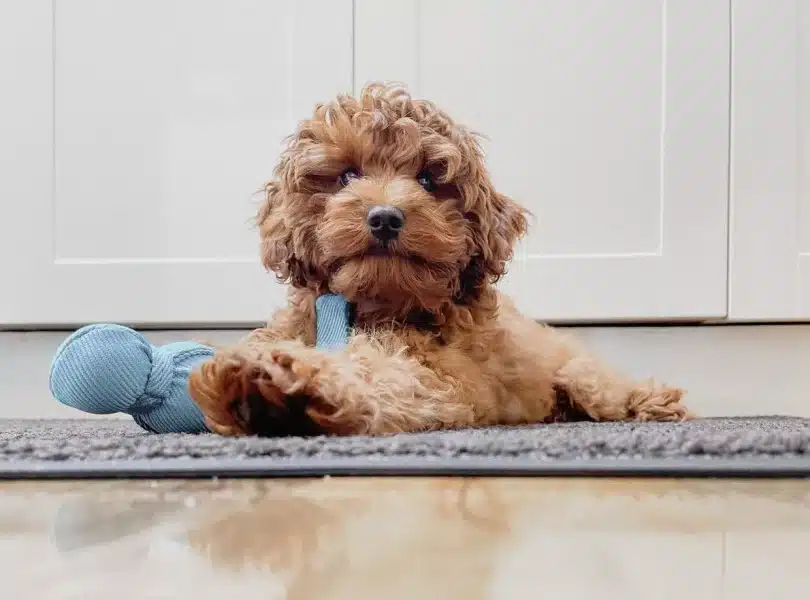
[{"x": 385, "y": 222}]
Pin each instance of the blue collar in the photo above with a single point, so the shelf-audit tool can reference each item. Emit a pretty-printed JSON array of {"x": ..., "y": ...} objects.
[{"x": 332, "y": 321}]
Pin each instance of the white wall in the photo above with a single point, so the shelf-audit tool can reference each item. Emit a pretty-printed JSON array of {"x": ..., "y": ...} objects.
[{"x": 727, "y": 370}]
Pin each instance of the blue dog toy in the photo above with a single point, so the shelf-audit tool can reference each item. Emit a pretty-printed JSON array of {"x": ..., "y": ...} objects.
[{"x": 105, "y": 369}]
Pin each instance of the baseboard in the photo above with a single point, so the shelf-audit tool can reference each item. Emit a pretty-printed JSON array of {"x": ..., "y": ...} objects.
[{"x": 727, "y": 370}]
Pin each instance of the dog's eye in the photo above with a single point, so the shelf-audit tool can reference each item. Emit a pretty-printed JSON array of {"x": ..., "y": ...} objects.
[
  {"x": 425, "y": 179},
  {"x": 348, "y": 175}
]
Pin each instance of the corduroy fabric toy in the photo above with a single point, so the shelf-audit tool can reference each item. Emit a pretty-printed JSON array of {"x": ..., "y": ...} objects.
[{"x": 106, "y": 368}]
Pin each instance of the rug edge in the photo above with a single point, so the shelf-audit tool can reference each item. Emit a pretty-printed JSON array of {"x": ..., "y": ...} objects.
[{"x": 780, "y": 467}]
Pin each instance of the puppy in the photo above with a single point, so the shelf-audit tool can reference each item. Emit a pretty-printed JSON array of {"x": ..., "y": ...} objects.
[{"x": 386, "y": 200}]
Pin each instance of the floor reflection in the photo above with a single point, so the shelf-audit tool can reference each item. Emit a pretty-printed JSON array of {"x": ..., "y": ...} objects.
[{"x": 404, "y": 538}]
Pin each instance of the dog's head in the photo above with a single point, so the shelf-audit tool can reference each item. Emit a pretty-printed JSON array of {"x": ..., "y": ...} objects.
[{"x": 386, "y": 200}]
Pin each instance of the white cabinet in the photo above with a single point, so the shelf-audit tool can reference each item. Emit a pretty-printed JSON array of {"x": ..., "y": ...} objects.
[
  {"x": 609, "y": 119},
  {"x": 134, "y": 179},
  {"x": 136, "y": 134},
  {"x": 769, "y": 274}
]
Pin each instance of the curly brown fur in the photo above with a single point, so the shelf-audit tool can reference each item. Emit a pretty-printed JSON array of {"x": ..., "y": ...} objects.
[{"x": 435, "y": 344}]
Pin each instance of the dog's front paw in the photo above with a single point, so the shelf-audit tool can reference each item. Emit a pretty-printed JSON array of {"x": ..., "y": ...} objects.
[{"x": 246, "y": 391}]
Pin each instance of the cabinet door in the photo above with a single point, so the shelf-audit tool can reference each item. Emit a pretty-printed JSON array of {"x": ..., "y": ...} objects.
[
  {"x": 608, "y": 119},
  {"x": 770, "y": 164},
  {"x": 169, "y": 116}
]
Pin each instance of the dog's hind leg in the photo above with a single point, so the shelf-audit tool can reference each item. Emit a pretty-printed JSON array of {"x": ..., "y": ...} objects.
[{"x": 604, "y": 395}]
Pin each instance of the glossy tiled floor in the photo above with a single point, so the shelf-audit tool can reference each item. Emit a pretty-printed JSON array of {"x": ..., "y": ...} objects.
[{"x": 415, "y": 539}]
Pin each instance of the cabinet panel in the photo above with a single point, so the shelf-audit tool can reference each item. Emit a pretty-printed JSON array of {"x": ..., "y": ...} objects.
[
  {"x": 609, "y": 120},
  {"x": 769, "y": 275},
  {"x": 169, "y": 116},
  {"x": 26, "y": 145}
]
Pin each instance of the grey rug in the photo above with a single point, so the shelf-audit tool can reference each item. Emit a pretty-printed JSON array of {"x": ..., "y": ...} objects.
[{"x": 761, "y": 445}]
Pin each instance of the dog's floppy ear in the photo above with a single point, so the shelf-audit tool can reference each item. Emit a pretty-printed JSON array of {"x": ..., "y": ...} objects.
[
  {"x": 277, "y": 251},
  {"x": 498, "y": 224},
  {"x": 275, "y": 242},
  {"x": 507, "y": 223}
]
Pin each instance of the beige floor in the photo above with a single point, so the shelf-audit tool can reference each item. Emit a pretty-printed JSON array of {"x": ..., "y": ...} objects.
[{"x": 415, "y": 539}]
